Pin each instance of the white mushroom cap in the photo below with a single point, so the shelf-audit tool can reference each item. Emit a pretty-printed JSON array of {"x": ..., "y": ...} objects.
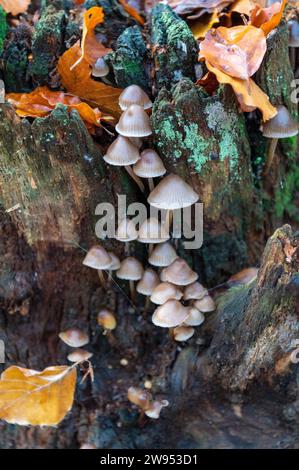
[
  {"x": 126, "y": 231},
  {"x": 195, "y": 291},
  {"x": 172, "y": 193},
  {"x": 195, "y": 317},
  {"x": 106, "y": 318},
  {"x": 165, "y": 291},
  {"x": 171, "y": 314},
  {"x": 122, "y": 152},
  {"x": 115, "y": 265},
  {"x": 74, "y": 338},
  {"x": 155, "y": 408},
  {"x": 97, "y": 258},
  {"x": 150, "y": 165},
  {"x": 205, "y": 305},
  {"x": 79, "y": 355},
  {"x": 183, "y": 333},
  {"x": 133, "y": 94},
  {"x": 139, "y": 397},
  {"x": 130, "y": 269},
  {"x": 137, "y": 141},
  {"x": 179, "y": 273},
  {"x": 281, "y": 125},
  {"x": 100, "y": 68},
  {"x": 134, "y": 122},
  {"x": 151, "y": 231},
  {"x": 149, "y": 281},
  {"x": 163, "y": 255},
  {"x": 88, "y": 446}
]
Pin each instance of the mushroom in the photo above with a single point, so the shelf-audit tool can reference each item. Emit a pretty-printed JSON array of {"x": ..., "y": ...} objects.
[
  {"x": 115, "y": 265},
  {"x": 79, "y": 355},
  {"x": 74, "y": 337},
  {"x": 172, "y": 193},
  {"x": 98, "y": 258},
  {"x": 280, "y": 126},
  {"x": 149, "y": 166},
  {"x": 179, "y": 273},
  {"x": 155, "y": 409},
  {"x": 139, "y": 397},
  {"x": 133, "y": 94},
  {"x": 130, "y": 270},
  {"x": 137, "y": 141},
  {"x": 195, "y": 317},
  {"x": 122, "y": 152},
  {"x": 88, "y": 446},
  {"x": 106, "y": 318},
  {"x": 147, "y": 284},
  {"x": 170, "y": 314},
  {"x": 245, "y": 276},
  {"x": 100, "y": 69},
  {"x": 134, "y": 122},
  {"x": 293, "y": 27},
  {"x": 195, "y": 291},
  {"x": 126, "y": 233},
  {"x": 183, "y": 333},
  {"x": 152, "y": 232},
  {"x": 165, "y": 291},
  {"x": 163, "y": 255},
  {"x": 205, "y": 305}
]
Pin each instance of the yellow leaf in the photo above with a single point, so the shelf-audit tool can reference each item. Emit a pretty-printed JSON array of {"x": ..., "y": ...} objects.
[
  {"x": 249, "y": 95},
  {"x": 200, "y": 27},
  {"x": 132, "y": 12},
  {"x": 28, "y": 397},
  {"x": 267, "y": 18},
  {"x": 15, "y": 7}
]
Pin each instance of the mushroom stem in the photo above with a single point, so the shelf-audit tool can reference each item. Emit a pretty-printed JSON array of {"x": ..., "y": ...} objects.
[
  {"x": 132, "y": 291},
  {"x": 168, "y": 220},
  {"x": 102, "y": 278},
  {"x": 150, "y": 248},
  {"x": 147, "y": 304},
  {"x": 151, "y": 184},
  {"x": 270, "y": 156},
  {"x": 127, "y": 248},
  {"x": 136, "y": 179}
]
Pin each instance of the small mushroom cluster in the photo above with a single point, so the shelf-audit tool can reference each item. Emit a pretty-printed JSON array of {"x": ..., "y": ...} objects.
[
  {"x": 76, "y": 339},
  {"x": 144, "y": 401}
]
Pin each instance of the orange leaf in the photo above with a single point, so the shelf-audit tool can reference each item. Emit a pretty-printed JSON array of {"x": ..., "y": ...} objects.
[
  {"x": 236, "y": 51},
  {"x": 200, "y": 27},
  {"x": 249, "y": 95},
  {"x": 28, "y": 397},
  {"x": 79, "y": 82},
  {"x": 132, "y": 12},
  {"x": 15, "y": 7},
  {"x": 91, "y": 48},
  {"x": 267, "y": 18}
]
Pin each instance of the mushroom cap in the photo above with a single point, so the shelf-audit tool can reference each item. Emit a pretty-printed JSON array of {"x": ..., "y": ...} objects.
[
  {"x": 170, "y": 314},
  {"x": 293, "y": 26},
  {"x": 97, "y": 258},
  {"x": 137, "y": 141},
  {"x": 281, "y": 125},
  {"x": 150, "y": 165},
  {"x": 195, "y": 317},
  {"x": 205, "y": 305},
  {"x": 74, "y": 337},
  {"x": 163, "y": 255},
  {"x": 194, "y": 291},
  {"x": 179, "y": 273},
  {"x": 126, "y": 231},
  {"x": 106, "y": 319},
  {"x": 172, "y": 193},
  {"x": 100, "y": 68},
  {"x": 155, "y": 408},
  {"x": 139, "y": 397},
  {"x": 148, "y": 282},
  {"x": 130, "y": 269},
  {"x": 134, "y": 122},
  {"x": 133, "y": 94},
  {"x": 243, "y": 277},
  {"x": 122, "y": 152},
  {"x": 165, "y": 291},
  {"x": 79, "y": 355},
  {"x": 88, "y": 446},
  {"x": 115, "y": 265},
  {"x": 151, "y": 231},
  {"x": 183, "y": 333}
]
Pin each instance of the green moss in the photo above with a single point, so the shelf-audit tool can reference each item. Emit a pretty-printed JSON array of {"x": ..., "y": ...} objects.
[
  {"x": 3, "y": 27},
  {"x": 284, "y": 195}
]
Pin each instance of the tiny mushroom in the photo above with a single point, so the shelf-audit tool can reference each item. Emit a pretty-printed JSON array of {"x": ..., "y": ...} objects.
[
  {"x": 106, "y": 318},
  {"x": 183, "y": 333},
  {"x": 79, "y": 355},
  {"x": 149, "y": 166},
  {"x": 134, "y": 122},
  {"x": 195, "y": 317},
  {"x": 152, "y": 232},
  {"x": 179, "y": 273},
  {"x": 165, "y": 291},
  {"x": 280, "y": 126},
  {"x": 74, "y": 337},
  {"x": 139, "y": 397},
  {"x": 133, "y": 94},
  {"x": 115, "y": 265},
  {"x": 293, "y": 26},
  {"x": 130, "y": 270},
  {"x": 170, "y": 314},
  {"x": 195, "y": 291},
  {"x": 163, "y": 255},
  {"x": 100, "y": 68},
  {"x": 126, "y": 233},
  {"x": 155, "y": 408},
  {"x": 205, "y": 305},
  {"x": 147, "y": 284},
  {"x": 98, "y": 258}
]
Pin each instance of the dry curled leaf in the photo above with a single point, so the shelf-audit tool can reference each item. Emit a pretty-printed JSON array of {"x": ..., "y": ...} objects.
[
  {"x": 243, "y": 6},
  {"x": 267, "y": 18},
  {"x": 28, "y": 397},
  {"x": 42, "y": 101},
  {"x": 132, "y": 12},
  {"x": 249, "y": 95},
  {"x": 201, "y": 26},
  {"x": 79, "y": 82},
  {"x": 236, "y": 51},
  {"x": 15, "y": 7}
]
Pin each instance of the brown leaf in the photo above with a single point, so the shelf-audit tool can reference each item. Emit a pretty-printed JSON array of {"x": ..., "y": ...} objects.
[
  {"x": 243, "y": 6},
  {"x": 28, "y": 397},
  {"x": 79, "y": 82},
  {"x": 15, "y": 7},
  {"x": 132, "y": 12},
  {"x": 267, "y": 18}
]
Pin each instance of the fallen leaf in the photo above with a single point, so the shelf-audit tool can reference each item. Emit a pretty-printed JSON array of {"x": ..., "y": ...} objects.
[
  {"x": 28, "y": 397},
  {"x": 91, "y": 48},
  {"x": 249, "y": 95},
  {"x": 236, "y": 51},
  {"x": 132, "y": 12},
  {"x": 15, "y": 7},
  {"x": 200, "y": 27},
  {"x": 267, "y": 18},
  {"x": 79, "y": 82},
  {"x": 243, "y": 6}
]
